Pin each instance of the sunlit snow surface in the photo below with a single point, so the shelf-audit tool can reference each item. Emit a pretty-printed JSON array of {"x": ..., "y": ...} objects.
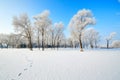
[{"x": 64, "y": 64}]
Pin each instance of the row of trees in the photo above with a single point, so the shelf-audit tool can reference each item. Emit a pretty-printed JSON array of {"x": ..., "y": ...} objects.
[
  {"x": 90, "y": 39},
  {"x": 53, "y": 40},
  {"x": 43, "y": 33}
]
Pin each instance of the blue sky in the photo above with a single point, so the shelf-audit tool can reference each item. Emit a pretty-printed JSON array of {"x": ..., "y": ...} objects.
[{"x": 106, "y": 12}]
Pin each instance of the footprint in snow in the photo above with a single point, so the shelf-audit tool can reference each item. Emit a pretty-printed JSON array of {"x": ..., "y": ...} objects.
[
  {"x": 19, "y": 74},
  {"x": 25, "y": 69},
  {"x": 31, "y": 65}
]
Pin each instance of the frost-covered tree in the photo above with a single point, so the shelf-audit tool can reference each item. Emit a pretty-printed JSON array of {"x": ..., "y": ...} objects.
[
  {"x": 61, "y": 41},
  {"x": 52, "y": 31},
  {"x": 23, "y": 27},
  {"x": 91, "y": 37},
  {"x": 48, "y": 37},
  {"x": 1, "y": 40},
  {"x": 73, "y": 40},
  {"x": 64, "y": 42},
  {"x": 38, "y": 35},
  {"x": 70, "y": 42},
  {"x": 116, "y": 44},
  {"x": 111, "y": 35},
  {"x": 58, "y": 33},
  {"x": 4, "y": 40},
  {"x": 14, "y": 40},
  {"x": 78, "y": 23},
  {"x": 42, "y": 21}
]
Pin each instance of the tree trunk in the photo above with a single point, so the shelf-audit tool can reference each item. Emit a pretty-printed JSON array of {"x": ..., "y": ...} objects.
[
  {"x": 30, "y": 44},
  {"x": 52, "y": 40},
  {"x": 71, "y": 44},
  {"x": 95, "y": 44},
  {"x": 57, "y": 44},
  {"x": 65, "y": 44},
  {"x": 47, "y": 43},
  {"x": 80, "y": 41},
  {"x": 38, "y": 41},
  {"x": 54, "y": 43},
  {"x": 91, "y": 45},
  {"x": 1, "y": 45},
  {"x": 107, "y": 43},
  {"x": 42, "y": 39}
]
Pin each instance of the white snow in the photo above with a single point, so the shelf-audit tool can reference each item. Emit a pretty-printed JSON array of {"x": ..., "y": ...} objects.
[{"x": 64, "y": 64}]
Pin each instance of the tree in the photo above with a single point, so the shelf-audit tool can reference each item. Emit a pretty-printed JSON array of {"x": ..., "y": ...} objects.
[
  {"x": 73, "y": 40},
  {"x": 58, "y": 33},
  {"x": 116, "y": 44},
  {"x": 78, "y": 23},
  {"x": 91, "y": 37},
  {"x": 111, "y": 35},
  {"x": 42, "y": 21},
  {"x": 64, "y": 41},
  {"x": 4, "y": 40},
  {"x": 52, "y": 31},
  {"x": 38, "y": 36},
  {"x": 47, "y": 37},
  {"x": 14, "y": 40},
  {"x": 23, "y": 27},
  {"x": 1, "y": 40},
  {"x": 70, "y": 42}
]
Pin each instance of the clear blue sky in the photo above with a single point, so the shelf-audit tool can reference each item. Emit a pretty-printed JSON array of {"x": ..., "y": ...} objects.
[{"x": 106, "y": 12}]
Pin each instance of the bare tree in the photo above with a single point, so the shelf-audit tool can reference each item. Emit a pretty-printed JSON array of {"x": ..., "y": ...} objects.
[
  {"x": 22, "y": 25},
  {"x": 111, "y": 35},
  {"x": 78, "y": 23},
  {"x": 42, "y": 21}
]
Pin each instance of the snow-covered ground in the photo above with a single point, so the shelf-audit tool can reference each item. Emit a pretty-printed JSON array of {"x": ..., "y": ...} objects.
[{"x": 65, "y": 64}]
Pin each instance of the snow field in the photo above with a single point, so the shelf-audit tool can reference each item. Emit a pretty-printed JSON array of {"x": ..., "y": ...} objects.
[{"x": 22, "y": 64}]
